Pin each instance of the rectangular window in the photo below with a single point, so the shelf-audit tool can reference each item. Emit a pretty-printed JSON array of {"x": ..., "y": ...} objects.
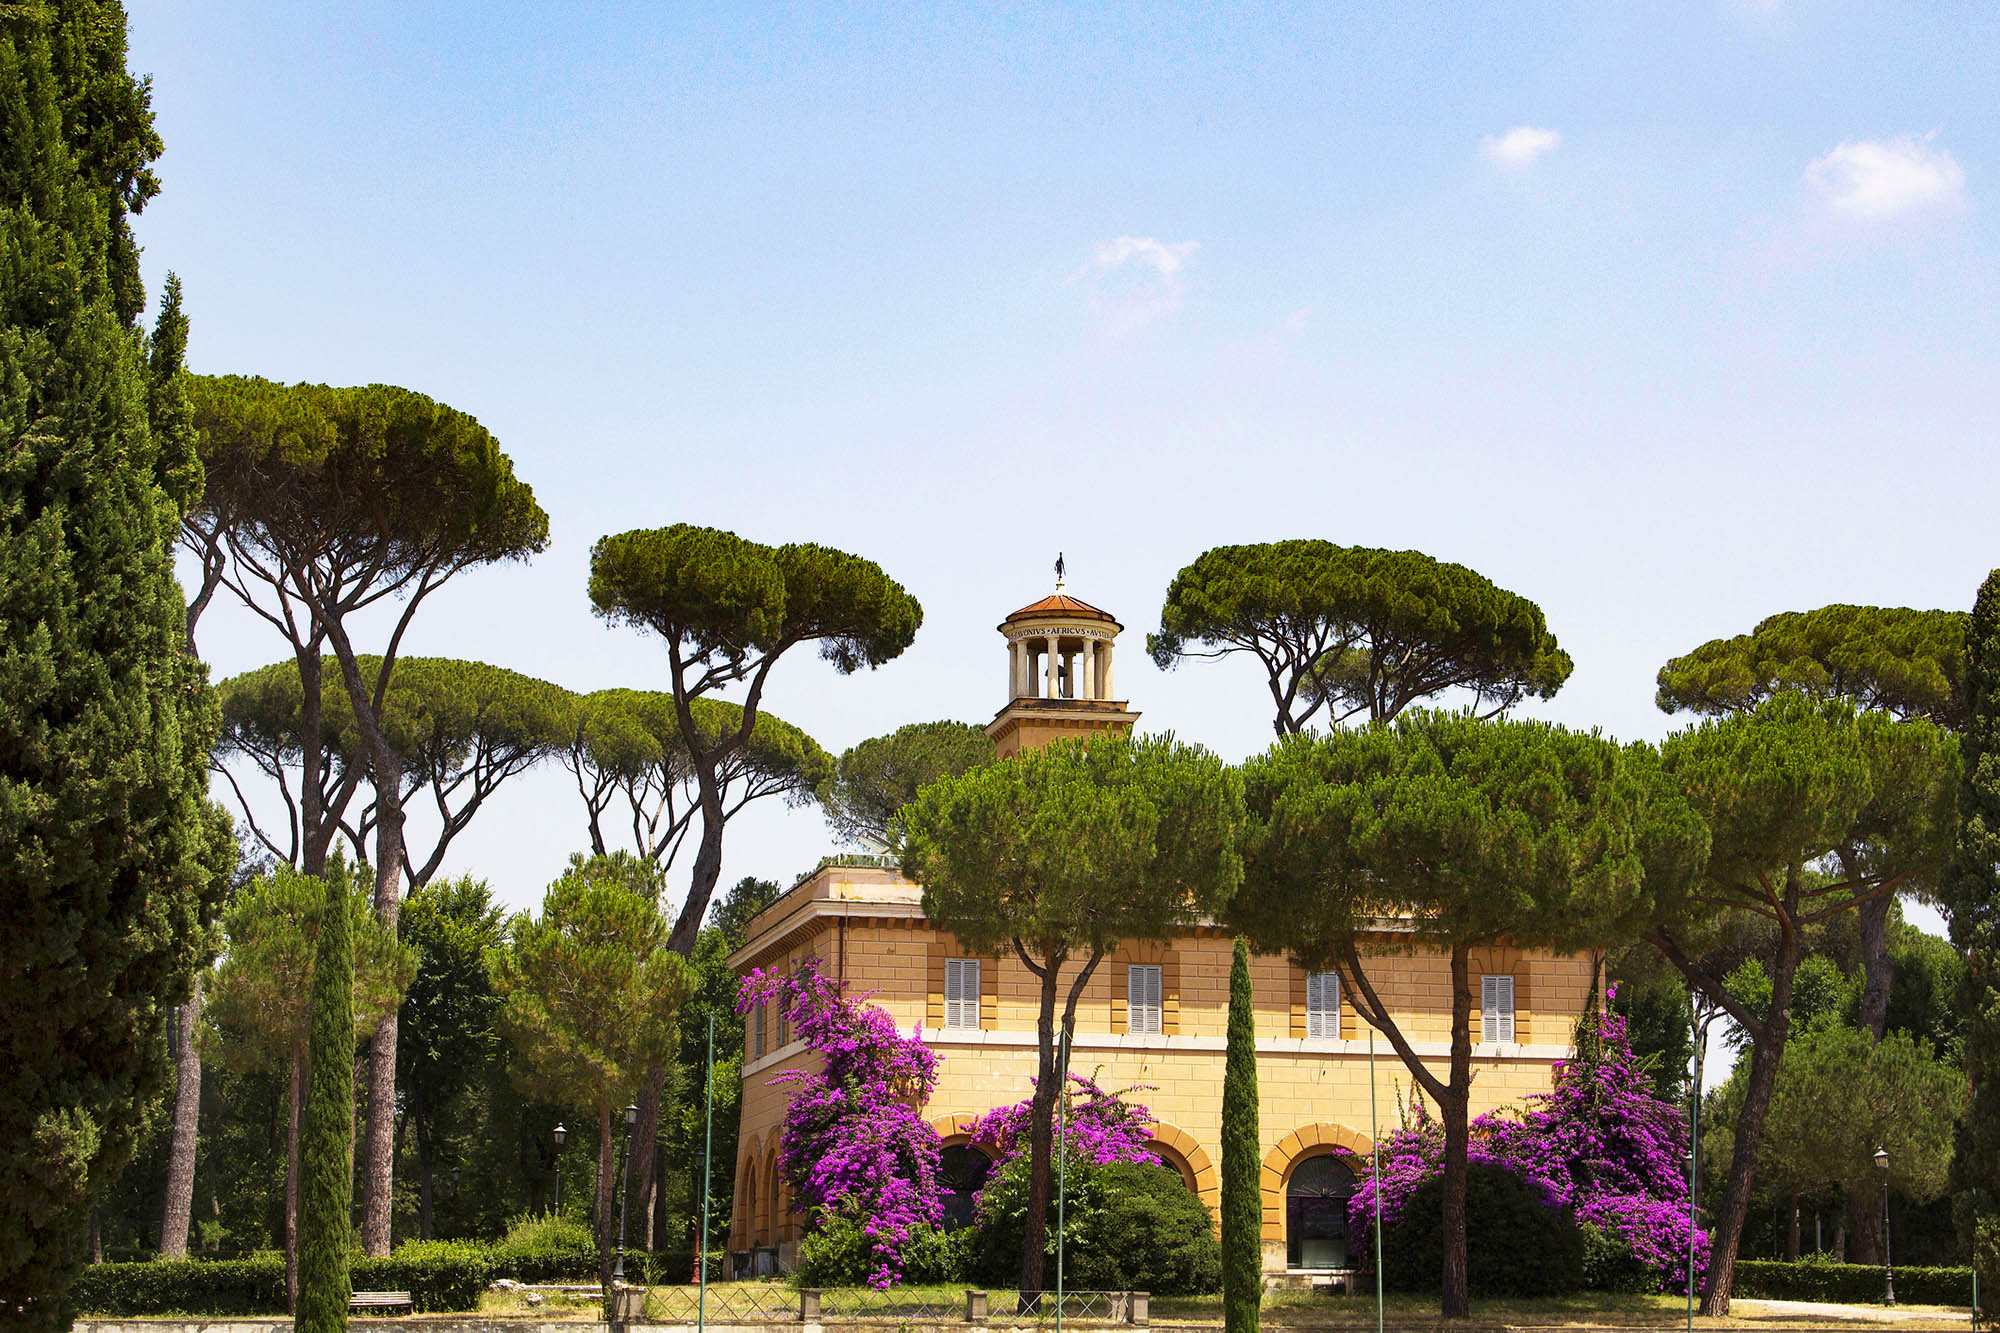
[
  {"x": 1496, "y": 1008},
  {"x": 961, "y": 993},
  {"x": 1322, "y": 1004},
  {"x": 757, "y": 1042},
  {"x": 1142, "y": 999}
]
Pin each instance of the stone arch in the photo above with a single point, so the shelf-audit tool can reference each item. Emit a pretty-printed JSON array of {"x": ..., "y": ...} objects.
[
  {"x": 744, "y": 1230},
  {"x": 1191, "y": 1160},
  {"x": 1301, "y": 1143},
  {"x": 773, "y": 1180},
  {"x": 955, "y": 1129}
]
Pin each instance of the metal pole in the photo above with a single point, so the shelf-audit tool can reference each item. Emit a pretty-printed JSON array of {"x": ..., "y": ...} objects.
[
  {"x": 1888, "y": 1264},
  {"x": 707, "y": 1146},
  {"x": 1375, "y": 1134},
  {"x": 1062, "y": 1174}
]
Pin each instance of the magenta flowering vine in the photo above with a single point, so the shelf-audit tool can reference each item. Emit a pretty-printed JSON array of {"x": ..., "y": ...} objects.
[
  {"x": 1102, "y": 1127},
  {"x": 855, "y": 1142},
  {"x": 1599, "y": 1143}
]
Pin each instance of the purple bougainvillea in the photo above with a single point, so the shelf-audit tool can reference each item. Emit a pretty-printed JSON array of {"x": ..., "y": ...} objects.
[
  {"x": 1102, "y": 1127},
  {"x": 855, "y": 1141},
  {"x": 1599, "y": 1143}
]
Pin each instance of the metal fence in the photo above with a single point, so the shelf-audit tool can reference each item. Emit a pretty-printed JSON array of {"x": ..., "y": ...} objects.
[{"x": 775, "y": 1303}]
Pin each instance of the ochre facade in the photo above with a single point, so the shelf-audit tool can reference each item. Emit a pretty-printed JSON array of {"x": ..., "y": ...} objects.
[{"x": 859, "y": 920}]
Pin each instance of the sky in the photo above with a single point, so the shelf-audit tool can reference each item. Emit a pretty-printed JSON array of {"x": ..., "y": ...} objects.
[{"x": 1665, "y": 316}]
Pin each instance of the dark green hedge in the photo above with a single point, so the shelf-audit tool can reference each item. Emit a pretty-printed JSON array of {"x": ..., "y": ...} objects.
[
  {"x": 1851, "y": 1284},
  {"x": 436, "y": 1282},
  {"x": 1515, "y": 1244}
]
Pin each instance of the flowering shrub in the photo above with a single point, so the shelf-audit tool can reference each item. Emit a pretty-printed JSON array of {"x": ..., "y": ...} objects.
[
  {"x": 855, "y": 1145},
  {"x": 1599, "y": 1143},
  {"x": 1102, "y": 1127}
]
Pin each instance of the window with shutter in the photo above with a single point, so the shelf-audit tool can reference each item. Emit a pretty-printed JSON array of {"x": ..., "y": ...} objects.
[
  {"x": 1322, "y": 1004},
  {"x": 1496, "y": 1003},
  {"x": 1142, "y": 999},
  {"x": 961, "y": 992},
  {"x": 757, "y": 1044}
]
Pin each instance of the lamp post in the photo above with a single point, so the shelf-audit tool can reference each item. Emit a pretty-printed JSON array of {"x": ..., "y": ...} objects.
[
  {"x": 624, "y": 1159},
  {"x": 1888, "y": 1265},
  {"x": 560, "y": 1135}
]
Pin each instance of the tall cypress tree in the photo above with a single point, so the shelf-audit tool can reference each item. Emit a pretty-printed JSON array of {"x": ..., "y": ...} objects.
[
  {"x": 1242, "y": 1194},
  {"x": 1970, "y": 887},
  {"x": 110, "y": 858},
  {"x": 326, "y": 1143}
]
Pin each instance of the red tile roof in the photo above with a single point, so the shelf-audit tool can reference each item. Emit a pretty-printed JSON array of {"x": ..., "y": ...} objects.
[{"x": 1059, "y": 604}]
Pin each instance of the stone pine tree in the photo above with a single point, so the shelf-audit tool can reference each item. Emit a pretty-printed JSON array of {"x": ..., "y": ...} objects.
[
  {"x": 1465, "y": 833},
  {"x": 1242, "y": 1190},
  {"x": 1059, "y": 854},
  {"x": 1348, "y": 631},
  {"x": 1970, "y": 889},
  {"x": 326, "y": 1144},
  {"x": 327, "y": 502},
  {"x": 112, "y": 860},
  {"x": 1902, "y": 663},
  {"x": 881, "y": 775}
]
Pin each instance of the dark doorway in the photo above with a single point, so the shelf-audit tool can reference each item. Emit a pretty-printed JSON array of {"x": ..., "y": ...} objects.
[
  {"x": 962, "y": 1171},
  {"x": 1316, "y": 1213}
]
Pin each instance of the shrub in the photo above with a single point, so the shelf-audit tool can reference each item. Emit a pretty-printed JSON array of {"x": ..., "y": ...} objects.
[
  {"x": 1610, "y": 1265},
  {"x": 1851, "y": 1284},
  {"x": 546, "y": 1249},
  {"x": 1516, "y": 1243},
  {"x": 1127, "y": 1226},
  {"x": 841, "y": 1252},
  {"x": 439, "y": 1275}
]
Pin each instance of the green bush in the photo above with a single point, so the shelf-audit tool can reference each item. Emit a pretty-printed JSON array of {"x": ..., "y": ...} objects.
[
  {"x": 1516, "y": 1245},
  {"x": 1610, "y": 1265},
  {"x": 547, "y": 1249},
  {"x": 1850, "y": 1284},
  {"x": 439, "y": 1275},
  {"x": 1127, "y": 1228},
  {"x": 838, "y": 1252}
]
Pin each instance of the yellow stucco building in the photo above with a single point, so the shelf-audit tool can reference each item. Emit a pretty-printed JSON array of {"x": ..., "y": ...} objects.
[{"x": 1153, "y": 1015}]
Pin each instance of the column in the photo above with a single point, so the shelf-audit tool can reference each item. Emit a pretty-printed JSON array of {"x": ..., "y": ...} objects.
[
  {"x": 1054, "y": 658},
  {"x": 1089, "y": 669},
  {"x": 1015, "y": 674},
  {"x": 1105, "y": 691}
]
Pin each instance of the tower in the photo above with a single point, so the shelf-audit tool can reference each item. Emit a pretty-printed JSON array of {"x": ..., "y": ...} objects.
[{"x": 1059, "y": 680}]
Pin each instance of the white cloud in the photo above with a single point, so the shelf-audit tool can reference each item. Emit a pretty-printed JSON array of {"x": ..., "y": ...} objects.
[
  {"x": 1135, "y": 280},
  {"x": 1164, "y": 259},
  {"x": 1874, "y": 179},
  {"x": 1520, "y": 147}
]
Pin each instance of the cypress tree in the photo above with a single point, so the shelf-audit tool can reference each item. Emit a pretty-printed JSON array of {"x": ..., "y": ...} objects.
[
  {"x": 110, "y": 857},
  {"x": 326, "y": 1143},
  {"x": 1970, "y": 888},
  {"x": 1242, "y": 1194}
]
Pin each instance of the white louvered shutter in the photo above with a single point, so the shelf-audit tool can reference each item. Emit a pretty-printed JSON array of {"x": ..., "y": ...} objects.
[
  {"x": 1496, "y": 1003},
  {"x": 961, "y": 993},
  {"x": 1322, "y": 1004},
  {"x": 1142, "y": 999},
  {"x": 757, "y": 1046}
]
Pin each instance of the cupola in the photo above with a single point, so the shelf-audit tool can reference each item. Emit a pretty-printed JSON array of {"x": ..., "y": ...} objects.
[{"x": 1059, "y": 677}]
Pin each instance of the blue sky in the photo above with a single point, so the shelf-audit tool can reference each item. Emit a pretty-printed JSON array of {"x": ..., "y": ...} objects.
[{"x": 1666, "y": 316}]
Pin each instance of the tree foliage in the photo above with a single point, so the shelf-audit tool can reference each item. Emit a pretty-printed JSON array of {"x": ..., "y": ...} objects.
[
  {"x": 1348, "y": 630},
  {"x": 1242, "y": 1164},
  {"x": 326, "y": 1145},
  {"x": 727, "y": 609},
  {"x": 1060, "y": 853},
  {"x": 1468, "y": 833},
  {"x": 112, "y": 860},
  {"x": 881, "y": 775},
  {"x": 1970, "y": 890},
  {"x": 1894, "y": 660}
]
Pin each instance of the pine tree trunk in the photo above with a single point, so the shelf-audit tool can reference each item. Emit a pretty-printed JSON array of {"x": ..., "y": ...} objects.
[
  {"x": 326, "y": 1195},
  {"x": 1242, "y": 1190},
  {"x": 645, "y": 1154},
  {"x": 1872, "y": 919},
  {"x": 1792, "y": 1230},
  {"x": 177, "y": 1211},
  {"x": 1455, "y": 1112},
  {"x": 1864, "y": 1231},
  {"x": 1041, "y": 1134},
  {"x": 1766, "y": 1050}
]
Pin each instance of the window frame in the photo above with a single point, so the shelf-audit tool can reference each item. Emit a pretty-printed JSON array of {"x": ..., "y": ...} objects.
[
  {"x": 1497, "y": 1021},
  {"x": 757, "y": 1035},
  {"x": 1326, "y": 1015},
  {"x": 967, "y": 1005},
  {"x": 1145, "y": 1015}
]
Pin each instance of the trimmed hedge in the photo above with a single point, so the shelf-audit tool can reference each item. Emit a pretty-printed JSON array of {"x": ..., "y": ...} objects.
[
  {"x": 439, "y": 1277},
  {"x": 1515, "y": 1244},
  {"x": 1850, "y": 1284}
]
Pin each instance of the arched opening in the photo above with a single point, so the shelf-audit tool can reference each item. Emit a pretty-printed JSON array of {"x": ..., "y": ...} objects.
[
  {"x": 962, "y": 1172},
  {"x": 750, "y": 1204},
  {"x": 1316, "y": 1213},
  {"x": 773, "y": 1180},
  {"x": 1171, "y": 1157}
]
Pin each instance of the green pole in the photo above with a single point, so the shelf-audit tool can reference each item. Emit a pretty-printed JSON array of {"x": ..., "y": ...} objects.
[
  {"x": 1694, "y": 1155},
  {"x": 1375, "y": 1135},
  {"x": 1062, "y": 1174},
  {"x": 707, "y": 1146}
]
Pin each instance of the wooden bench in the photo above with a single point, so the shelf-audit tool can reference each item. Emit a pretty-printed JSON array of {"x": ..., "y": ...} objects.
[{"x": 380, "y": 1300}]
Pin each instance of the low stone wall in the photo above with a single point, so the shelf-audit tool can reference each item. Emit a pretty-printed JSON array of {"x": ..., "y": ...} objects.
[{"x": 467, "y": 1323}]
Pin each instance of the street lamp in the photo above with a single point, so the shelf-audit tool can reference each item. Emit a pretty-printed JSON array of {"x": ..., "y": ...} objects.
[
  {"x": 624, "y": 1159},
  {"x": 560, "y": 1135},
  {"x": 1888, "y": 1265}
]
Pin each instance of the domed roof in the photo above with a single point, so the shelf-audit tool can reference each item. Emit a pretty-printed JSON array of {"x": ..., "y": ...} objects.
[{"x": 1061, "y": 606}]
